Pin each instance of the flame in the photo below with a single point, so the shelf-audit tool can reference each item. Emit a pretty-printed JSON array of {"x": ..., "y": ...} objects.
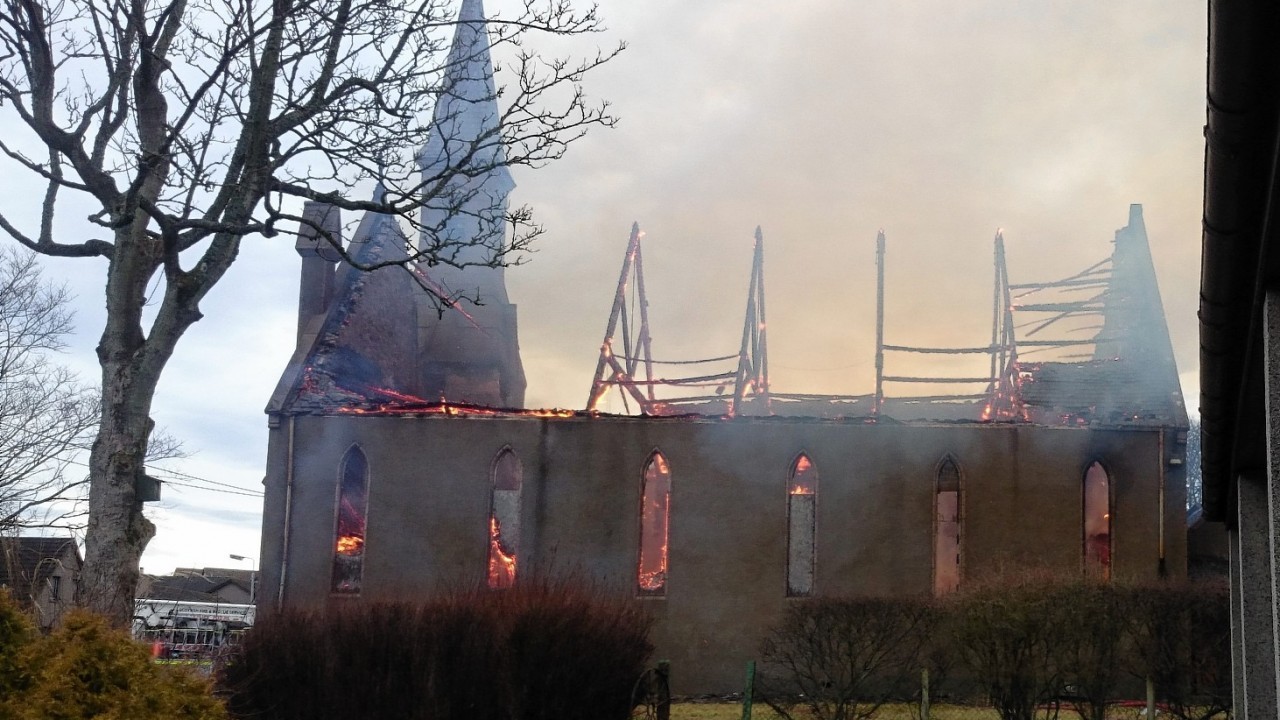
[
  {"x": 418, "y": 406},
  {"x": 445, "y": 296},
  {"x": 502, "y": 567},
  {"x": 655, "y": 526},
  {"x": 657, "y": 579},
  {"x": 660, "y": 463},
  {"x": 804, "y": 480},
  {"x": 350, "y": 545},
  {"x": 397, "y": 395}
]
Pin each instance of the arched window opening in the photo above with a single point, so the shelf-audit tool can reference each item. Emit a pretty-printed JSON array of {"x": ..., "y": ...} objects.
[
  {"x": 504, "y": 519},
  {"x": 1097, "y": 522},
  {"x": 946, "y": 536},
  {"x": 353, "y": 501},
  {"x": 802, "y": 495},
  {"x": 655, "y": 515}
]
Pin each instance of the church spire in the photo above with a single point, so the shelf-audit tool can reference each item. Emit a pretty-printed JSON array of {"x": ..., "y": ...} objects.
[
  {"x": 463, "y": 163},
  {"x": 470, "y": 353},
  {"x": 472, "y": 11}
]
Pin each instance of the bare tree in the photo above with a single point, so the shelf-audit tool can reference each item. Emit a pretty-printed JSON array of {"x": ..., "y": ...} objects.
[
  {"x": 191, "y": 125},
  {"x": 47, "y": 416}
]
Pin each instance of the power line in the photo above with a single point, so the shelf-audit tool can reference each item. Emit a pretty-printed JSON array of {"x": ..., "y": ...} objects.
[
  {"x": 177, "y": 483},
  {"x": 197, "y": 478},
  {"x": 229, "y": 488}
]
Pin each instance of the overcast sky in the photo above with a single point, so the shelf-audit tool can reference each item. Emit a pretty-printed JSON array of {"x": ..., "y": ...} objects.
[{"x": 821, "y": 121}]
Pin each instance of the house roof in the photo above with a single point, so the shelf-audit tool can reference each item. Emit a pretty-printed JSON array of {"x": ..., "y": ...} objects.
[
  {"x": 27, "y": 561},
  {"x": 1239, "y": 237},
  {"x": 196, "y": 584}
]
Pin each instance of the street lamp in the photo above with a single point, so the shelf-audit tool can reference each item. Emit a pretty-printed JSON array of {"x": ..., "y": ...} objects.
[{"x": 253, "y": 575}]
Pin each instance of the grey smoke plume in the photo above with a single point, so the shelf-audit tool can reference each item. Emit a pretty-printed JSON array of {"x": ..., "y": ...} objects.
[{"x": 826, "y": 121}]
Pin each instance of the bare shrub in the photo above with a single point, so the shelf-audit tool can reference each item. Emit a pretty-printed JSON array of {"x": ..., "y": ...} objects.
[
  {"x": 842, "y": 658},
  {"x": 1093, "y": 645},
  {"x": 1182, "y": 639},
  {"x": 541, "y": 649},
  {"x": 1006, "y": 633}
]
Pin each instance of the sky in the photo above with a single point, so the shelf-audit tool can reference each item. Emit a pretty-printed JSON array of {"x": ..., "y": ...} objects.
[{"x": 822, "y": 122}]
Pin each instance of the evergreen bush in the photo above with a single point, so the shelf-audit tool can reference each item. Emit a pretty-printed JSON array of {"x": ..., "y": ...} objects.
[
  {"x": 87, "y": 669},
  {"x": 16, "y": 633}
]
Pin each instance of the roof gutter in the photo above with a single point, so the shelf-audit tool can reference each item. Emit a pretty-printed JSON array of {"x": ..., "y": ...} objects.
[{"x": 1239, "y": 167}]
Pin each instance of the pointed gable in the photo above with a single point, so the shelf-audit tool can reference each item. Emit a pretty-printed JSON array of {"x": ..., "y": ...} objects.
[
  {"x": 384, "y": 337},
  {"x": 1132, "y": 377},
  {"x": 366, "y": 347},
  {"x": 1134, "y": 319}
]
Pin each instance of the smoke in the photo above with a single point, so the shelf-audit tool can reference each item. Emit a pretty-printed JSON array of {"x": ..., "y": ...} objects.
[
  {"x": 821, "y": 121},
  {"x": 825, "y": 121}
]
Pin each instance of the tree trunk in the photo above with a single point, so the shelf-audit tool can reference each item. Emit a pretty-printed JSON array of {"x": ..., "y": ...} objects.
[{"x": 117, "y": 531}]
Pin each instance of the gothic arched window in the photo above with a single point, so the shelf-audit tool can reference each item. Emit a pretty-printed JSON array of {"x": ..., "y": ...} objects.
[
  {"x": 802, "y": 496},
  {"x": 504, "y": 518},
  {"x": 946, "y": 528},
  {"x": 353, "y": 507},
  {"x": 1097, "y": 522},
  {"x": 655, "y": 516}
]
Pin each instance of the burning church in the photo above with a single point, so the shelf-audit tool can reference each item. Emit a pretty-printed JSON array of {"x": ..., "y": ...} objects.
[{"x": 402, "y": 460}]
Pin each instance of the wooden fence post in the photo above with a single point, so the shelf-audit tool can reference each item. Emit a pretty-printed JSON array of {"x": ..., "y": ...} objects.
[
  {"x": 749, "y": 691},
  {"x": 924, "y": 694}
]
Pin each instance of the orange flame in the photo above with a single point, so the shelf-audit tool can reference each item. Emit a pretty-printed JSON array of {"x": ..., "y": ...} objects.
[
  {"x": 423, "y": 407},
  {"x": 502, "y": 567},
  {"x": 804, "y": 479},
  {"x": 350, "y": 545},
  {"x": 651, "y": 576},
  {"x": 655, "y": 580}
]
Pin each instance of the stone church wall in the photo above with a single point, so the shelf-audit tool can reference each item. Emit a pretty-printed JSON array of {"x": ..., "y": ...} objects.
[{"x": 429, "y": 502}]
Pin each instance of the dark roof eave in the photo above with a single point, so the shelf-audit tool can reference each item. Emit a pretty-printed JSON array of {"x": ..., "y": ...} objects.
[{"x": 1240, "y": 154}]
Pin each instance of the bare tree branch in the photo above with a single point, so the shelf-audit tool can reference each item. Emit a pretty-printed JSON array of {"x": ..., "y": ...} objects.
[
  {"x": 193, "y": 125},
  {"x": 47, "y": 416}
]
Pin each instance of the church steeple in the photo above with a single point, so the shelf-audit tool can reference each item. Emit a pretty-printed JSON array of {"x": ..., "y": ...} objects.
[
  {"x": 470, "y": 353},
  {"x": 463, "y": 166}
]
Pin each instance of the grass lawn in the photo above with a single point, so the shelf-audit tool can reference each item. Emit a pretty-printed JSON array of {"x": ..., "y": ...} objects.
[{"x": 733, "y": 711}]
